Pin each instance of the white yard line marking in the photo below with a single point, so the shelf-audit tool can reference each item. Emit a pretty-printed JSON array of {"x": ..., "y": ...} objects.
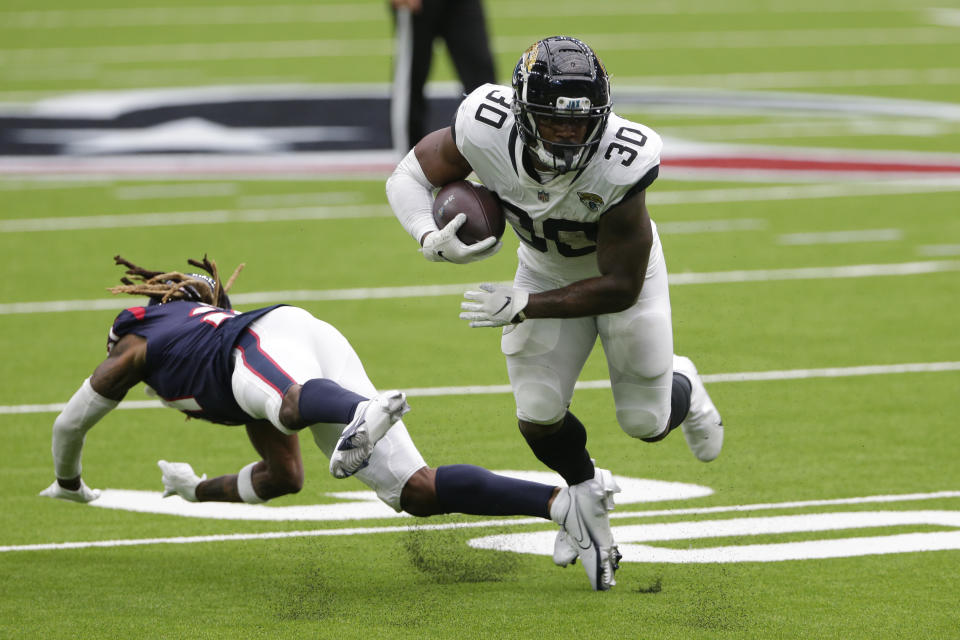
[
  {"x": 800, "y": 79},
  {"x": 944, "y": 17},
  {"x": 223, "y": 216},
  {"x": 274, "y": 535},
  {"x": 939, "y": 250},
  {"x": 324, "y": 210},
  {"x": 187, "y": 190},
  {"x": 380, "y": 293},
  {"x": 813, "y": 129},
  {"x": 841, "y": 237},
  {"x": 812, "y": 191},
  {"x": 14, "y": 59},
  {"x": 746, "y": 376},
  {"x": 193, "y": 16},
  {"x": 294, "y": 14}
]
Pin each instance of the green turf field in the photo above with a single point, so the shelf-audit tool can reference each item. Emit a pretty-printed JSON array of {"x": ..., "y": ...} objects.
[{"x": 822, "y": 309}]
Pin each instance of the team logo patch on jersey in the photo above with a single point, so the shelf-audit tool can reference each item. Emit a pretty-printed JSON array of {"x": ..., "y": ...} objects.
[
  {"x": 591, "y": 200},
  {"x": 543, "y": 196}
]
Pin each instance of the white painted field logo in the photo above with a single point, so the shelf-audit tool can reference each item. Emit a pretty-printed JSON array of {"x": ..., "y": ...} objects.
[
  {"x": 633, "y": 540},
  {"x": 637, "y": 542},
  {"x": 362, "y": 505}
]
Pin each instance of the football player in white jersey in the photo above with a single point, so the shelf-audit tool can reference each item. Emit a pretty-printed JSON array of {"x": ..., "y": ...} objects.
[{"x": 572, "y": 177}]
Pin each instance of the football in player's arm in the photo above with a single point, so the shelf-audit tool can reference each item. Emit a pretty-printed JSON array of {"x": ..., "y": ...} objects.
[
  {"x": 277, "y": 371},
  {"x": 571, "y": 176}
]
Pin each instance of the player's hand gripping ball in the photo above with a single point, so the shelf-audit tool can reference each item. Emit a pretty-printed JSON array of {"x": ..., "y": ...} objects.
[
  {"x": 480, "y": 205},
  {"x": 470, "y": 223}
]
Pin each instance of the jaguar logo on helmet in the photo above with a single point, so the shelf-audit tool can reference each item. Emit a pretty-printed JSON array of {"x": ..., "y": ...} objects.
[
  {"x": 530, "y": 56},
  {"x": 560, "y": 78}
]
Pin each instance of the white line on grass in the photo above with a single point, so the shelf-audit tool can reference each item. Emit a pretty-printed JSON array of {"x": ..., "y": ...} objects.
[
  {"x": 746, "y": 376},
  {"x": 813, "y": 129},
  {"x": 801, "y": 79},
  {"x": 221, "y": 216},
  {"x": 185, "y": 190},
  {"x": 841, "y": 237},
  {"x": 296, "y": 14},
  {"x": 939, "y": 250},
  {"x": 381, "y": 293},
  {"x": 944, "y": 17},
  {"x": 13, "y": 59},
  {"x": 274, "y": 535},
  {"x": 281, "y": 213}
]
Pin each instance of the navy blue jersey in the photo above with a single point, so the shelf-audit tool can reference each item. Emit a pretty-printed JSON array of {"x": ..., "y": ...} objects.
[{"x": 188, "y": 354}]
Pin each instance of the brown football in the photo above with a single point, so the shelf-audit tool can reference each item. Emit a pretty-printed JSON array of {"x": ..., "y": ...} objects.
[{"x": 482, "y": 207}]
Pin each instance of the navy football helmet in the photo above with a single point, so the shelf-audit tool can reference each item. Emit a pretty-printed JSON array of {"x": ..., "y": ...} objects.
[{"x": 561, "y": 78}]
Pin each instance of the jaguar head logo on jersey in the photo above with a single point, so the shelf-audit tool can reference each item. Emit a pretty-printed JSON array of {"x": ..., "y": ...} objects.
[
  {"x": 559, "y": 83},
  {"x": 591, "y": 200}
]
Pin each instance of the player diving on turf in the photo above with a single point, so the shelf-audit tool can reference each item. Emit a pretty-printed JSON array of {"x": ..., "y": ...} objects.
[
  {"x": 572, "y": 178},
  {"x": 275, "y": 370}
]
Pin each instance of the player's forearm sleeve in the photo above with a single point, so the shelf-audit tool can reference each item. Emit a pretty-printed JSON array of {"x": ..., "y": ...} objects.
[
  {"x": 84, "y": 410},
  {"x": 411, "y": 196}
]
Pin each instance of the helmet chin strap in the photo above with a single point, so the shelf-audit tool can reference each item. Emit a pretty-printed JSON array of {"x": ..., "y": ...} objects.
[{"x": 551, "y": 162}]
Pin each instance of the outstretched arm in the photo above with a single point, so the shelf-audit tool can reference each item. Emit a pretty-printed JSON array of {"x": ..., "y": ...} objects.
[{"x": 96, "y": 397}]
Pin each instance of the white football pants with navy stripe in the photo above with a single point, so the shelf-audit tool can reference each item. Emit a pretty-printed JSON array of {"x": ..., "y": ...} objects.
[{"x": 289, "y": 344}]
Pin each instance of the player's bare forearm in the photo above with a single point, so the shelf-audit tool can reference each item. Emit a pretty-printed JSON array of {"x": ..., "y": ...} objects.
[
  {"x": 591, "y": 297},
  {"x": 219, "y": 489}
]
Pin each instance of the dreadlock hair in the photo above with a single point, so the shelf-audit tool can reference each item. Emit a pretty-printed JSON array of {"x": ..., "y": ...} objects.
[{"x": 164, "y": 286}]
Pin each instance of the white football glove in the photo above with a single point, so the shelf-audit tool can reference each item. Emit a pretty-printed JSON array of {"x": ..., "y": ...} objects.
[
  {"x": 179, "y": 479},
  {"x": 494, "y": 306},
  {"x": 444, "y": 245},
  {"x": 83, "y": 495}
]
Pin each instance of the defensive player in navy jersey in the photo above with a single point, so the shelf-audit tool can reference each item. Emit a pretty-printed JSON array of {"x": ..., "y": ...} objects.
[
  {"x": 277, "y": 371},
  {"x": 571, "y": 176}
]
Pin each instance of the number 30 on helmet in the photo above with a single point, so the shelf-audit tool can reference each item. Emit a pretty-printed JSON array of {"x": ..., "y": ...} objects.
[{"x": 561, "y": 78}]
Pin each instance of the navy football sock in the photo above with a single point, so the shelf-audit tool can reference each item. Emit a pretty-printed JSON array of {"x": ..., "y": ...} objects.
[
  {"x": 323, "y": 400},
  {"x": 679, "y": 399},
  {"x": 464, "y": 488},
  {"x": 679, "y": 406},
  {"x": 565, "y": 451}
]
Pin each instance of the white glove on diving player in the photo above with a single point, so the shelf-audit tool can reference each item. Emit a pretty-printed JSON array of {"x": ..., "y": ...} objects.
[
  {"x": 179, "y": 479},
  {"x": 444, "y": 245},
  {"x": 494, "y": 306},
  {"x": 84, "y": 494}
]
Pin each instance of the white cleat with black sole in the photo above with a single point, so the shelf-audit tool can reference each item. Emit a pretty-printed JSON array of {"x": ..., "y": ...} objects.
[
  {"x": 703, "y": 427},
  {"x": 371, "y": 421},
  {"x": 581, "y": 511}
]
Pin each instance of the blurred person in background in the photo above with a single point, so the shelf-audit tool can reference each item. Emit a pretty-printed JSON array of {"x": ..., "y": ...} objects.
[{"x": 417, "y": 24}]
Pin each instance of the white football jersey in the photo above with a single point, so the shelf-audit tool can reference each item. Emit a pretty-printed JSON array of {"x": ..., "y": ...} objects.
[{"x": 556, "y": 220}]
